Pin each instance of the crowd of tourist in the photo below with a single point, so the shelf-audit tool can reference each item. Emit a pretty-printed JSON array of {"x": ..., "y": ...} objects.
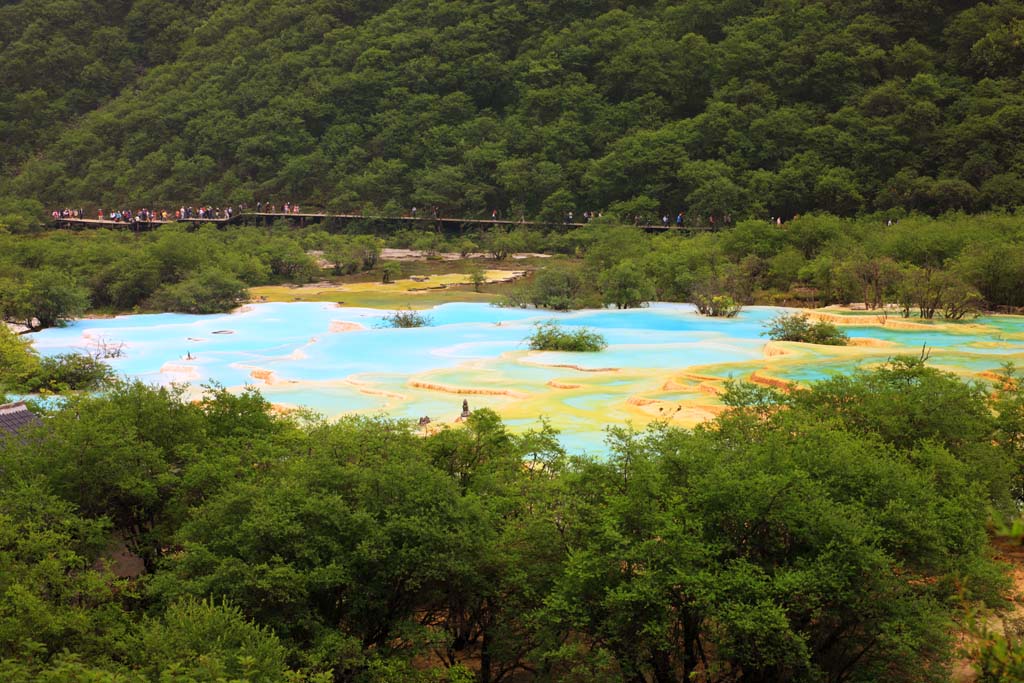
[
  {"x": 185, "y": 213},
  {"x": 287, "y": 207},
  {"x": 146, "y": 215}
]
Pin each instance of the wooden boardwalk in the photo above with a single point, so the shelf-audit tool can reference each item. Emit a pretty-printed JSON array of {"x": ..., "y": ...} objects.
[{"x": 249, "y": 217}]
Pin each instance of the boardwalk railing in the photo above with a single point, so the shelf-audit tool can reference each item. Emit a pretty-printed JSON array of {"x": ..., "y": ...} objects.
[{"x": 302, "y": 218}]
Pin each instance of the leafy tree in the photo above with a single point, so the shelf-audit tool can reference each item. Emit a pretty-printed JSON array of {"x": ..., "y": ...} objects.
[
  {"x": 554, "y": 287},
  {"x": 502, "y": 244},
  {"x": 69, "y": 371},
  {"x": 390, "y": 270},
  {"x": 626, "y": 285},
  {"x": 797, "y": 327},
  {"x": 204, "y": 641},
  {"x": 53, "y": 599},
  {"x": 18, "y": 360},
  {"x": 209, "y": 291},
  {"x": 478, "y": 277},
  {"x": 386, "y": 533},
  {"x": 50, "y": 297}
]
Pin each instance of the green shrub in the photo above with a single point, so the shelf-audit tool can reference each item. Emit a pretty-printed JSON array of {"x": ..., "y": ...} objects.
[
  {"x": 69, "y": 372},
  {"x": 550, "y": 336},
  {"x": 797, "y": 327},
  {"x": 717, "y": 306},
  {"x": 392, "y": 270},
  {"x": 407, "y": 318},
  {"x": 22, "y": 369},
  {"x": 209, "y": 291},
  {"x": 626, "y": 285},
  {"x": 18, "y": 360},
  {"x": 556, "y": 287},
  {"x": 478, "y": 277}
]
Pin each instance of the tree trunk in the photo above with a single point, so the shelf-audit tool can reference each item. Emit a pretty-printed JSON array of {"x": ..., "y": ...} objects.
[
  {"x": 485, "y": 658},
  {"x": 661, "y": 662}
]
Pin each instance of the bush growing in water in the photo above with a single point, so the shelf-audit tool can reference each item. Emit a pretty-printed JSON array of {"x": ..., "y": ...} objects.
[
  {"x": 717, "y": 306},
  {"x": 408, "y": 318},
  {"x": 797, "y": 327},
  {"x": 550, "y": 336}
]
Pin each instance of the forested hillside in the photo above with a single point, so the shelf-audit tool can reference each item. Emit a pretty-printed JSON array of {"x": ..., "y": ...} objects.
[{"x": 714, "y": 107}]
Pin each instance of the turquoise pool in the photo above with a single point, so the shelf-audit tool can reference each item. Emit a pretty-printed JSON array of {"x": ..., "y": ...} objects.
[{"x": 339, "y": 360}]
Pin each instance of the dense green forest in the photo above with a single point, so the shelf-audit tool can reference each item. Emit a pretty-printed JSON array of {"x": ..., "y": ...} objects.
[
  {"x": 832, "y": 534},
  {"x": 730, "y": 107}
]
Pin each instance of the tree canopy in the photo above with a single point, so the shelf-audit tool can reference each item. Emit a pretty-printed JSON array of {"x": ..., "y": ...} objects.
[
  {"x": 716, "y": 108},
  {"x": 825, "y": 534}
]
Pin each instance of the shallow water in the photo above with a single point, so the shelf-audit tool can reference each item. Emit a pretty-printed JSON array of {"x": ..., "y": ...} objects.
[{"x": 662, "y": 362}]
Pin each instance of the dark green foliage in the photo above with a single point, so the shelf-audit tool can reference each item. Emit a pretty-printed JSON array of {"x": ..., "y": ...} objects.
[
  {"x": 729, "y": 109},
  {"x": 951, "y": 267},
  {"x": 52, "y": 602},
  {"x": 208, "y": 291},
  {"x": 45, "y": 298},
  {"x": 558, "y": 288},
  {"x": 825, "y": 534},
  {"x": 551, "y": 336},
  {"x": 199, "y": 637},
  {"x": 22, "y": 369},
  {"x": 625, "y": 285},
  {"x": 19, "y": 362},
  {"x": 797, "y": 327},
  {"x": 828, "y": 532},
  {"x": 69, "y": 371},
  {"x": 52, "y": 277}
]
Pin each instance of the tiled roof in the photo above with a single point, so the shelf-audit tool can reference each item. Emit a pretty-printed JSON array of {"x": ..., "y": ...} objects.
[{"x": 15, "y": 417}]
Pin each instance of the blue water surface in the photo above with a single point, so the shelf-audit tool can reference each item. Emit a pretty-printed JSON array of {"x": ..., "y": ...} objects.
[{"x": 470, "y": 344}]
